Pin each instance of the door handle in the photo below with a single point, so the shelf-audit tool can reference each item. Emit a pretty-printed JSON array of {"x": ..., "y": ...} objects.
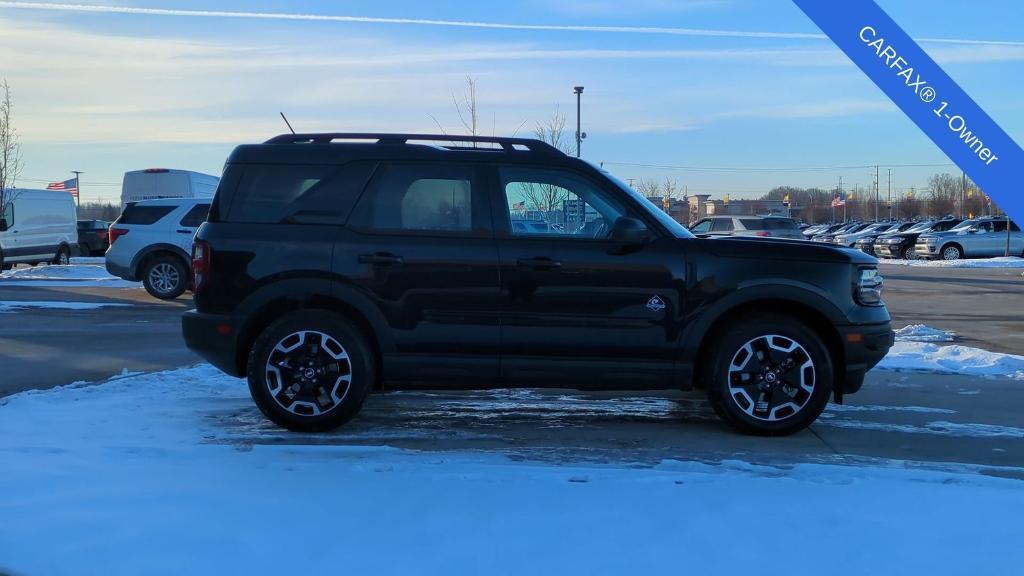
[
  {"x": 380, "y": 259},
  {"x": 184, "y": 231},
  {"x": 539, "y": 263}
]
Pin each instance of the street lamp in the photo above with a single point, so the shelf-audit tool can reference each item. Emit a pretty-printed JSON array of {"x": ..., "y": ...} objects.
[{"x": 578, "y": 91}]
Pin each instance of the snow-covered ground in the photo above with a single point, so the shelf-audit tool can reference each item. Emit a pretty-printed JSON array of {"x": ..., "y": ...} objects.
[
  {"x": 916, "y": 349},
  {"x": 12, "y": 305},
  {"x": 922, "y": 333},
  {"x": 81, "y": 272},
  {"x": 1000, "y": 262},
  {"x": 140, "y": 475}
]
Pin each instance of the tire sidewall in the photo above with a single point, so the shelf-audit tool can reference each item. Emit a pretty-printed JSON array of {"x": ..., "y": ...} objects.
[
  {"x": 360, "y": 357},
  {"x": 717, "y": 369},
  {"x": 182, "y": 278}
]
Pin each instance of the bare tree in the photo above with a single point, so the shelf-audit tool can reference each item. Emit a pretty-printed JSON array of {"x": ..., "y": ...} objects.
[
  {"x": 548, "y": 198},
  {"x": 10, "y": 151},
  {"x": 467, "y": 108},
  {"x": 670, "y": 187},
  {"x": 649, "y": 187}
]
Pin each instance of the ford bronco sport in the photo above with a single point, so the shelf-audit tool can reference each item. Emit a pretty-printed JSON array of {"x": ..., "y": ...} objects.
[{"x": 332, "y": 264}]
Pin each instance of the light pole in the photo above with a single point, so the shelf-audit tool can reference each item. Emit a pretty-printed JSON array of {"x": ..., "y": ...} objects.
[{"x": 578, "y": 90}]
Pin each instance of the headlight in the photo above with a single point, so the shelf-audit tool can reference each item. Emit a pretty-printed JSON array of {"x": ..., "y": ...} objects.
[{"x": 868, "y": 291}]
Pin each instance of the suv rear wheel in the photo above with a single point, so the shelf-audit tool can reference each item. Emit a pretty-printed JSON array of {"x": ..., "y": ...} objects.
[
  {"x": 310, "y": 371},
  {"x": 63, "y": 256},
  {"x": 165, "y": 277},
  {"x": 769, "y": 375}
]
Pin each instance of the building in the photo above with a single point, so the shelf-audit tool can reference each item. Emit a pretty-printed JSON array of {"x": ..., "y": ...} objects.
[{"x": 702, "y": 206}]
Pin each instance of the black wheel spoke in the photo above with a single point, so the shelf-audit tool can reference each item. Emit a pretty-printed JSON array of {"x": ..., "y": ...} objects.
[
  {"x": 767, "y": 385},
  {"x": 303, "y": 375}
]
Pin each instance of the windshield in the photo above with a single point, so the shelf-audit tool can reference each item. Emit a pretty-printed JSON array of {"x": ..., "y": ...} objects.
[
  {"x": 963, "y": 225},
  {"x": 677, "y": 229},
  {"x": 920, "y": 227}
]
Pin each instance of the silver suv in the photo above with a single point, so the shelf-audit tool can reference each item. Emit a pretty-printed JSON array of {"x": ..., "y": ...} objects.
[
  {"x": 151, "y": 241},
  {"x": 978, "y": 238},
  {"x": 759, "y": 226}
]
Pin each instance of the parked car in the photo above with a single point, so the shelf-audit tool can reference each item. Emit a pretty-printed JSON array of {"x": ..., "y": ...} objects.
[
  {"x": 901, "y": 244},
  {"x": 329, "y": 266},
  {"x": 978, "y": 238},
  {"x": 830, "y": 236},
  {"x": 152, "y": 241},
  {"x": 760, "y": 226},
  {"x": 37, "y": 226},
  {"x": 92, "y": 237},
  {"x": 156, "y": 183},
  {"x": 865, "y": 239}
]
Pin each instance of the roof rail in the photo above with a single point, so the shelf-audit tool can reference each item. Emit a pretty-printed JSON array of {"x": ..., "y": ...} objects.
[{"x": 507, "y": 144}]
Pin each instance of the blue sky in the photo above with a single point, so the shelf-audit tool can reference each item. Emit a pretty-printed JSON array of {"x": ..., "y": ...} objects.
[{"x": 105, "y": 92}]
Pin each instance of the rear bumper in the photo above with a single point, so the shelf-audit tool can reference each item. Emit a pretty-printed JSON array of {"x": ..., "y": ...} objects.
[
  {"x": 123, "y": 272},
  {"x": 864, "y": 346},
  {"x": 214, "y": 337}
]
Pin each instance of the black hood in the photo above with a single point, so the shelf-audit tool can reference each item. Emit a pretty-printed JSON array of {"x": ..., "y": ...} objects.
[{"x": 782, "y": 249}]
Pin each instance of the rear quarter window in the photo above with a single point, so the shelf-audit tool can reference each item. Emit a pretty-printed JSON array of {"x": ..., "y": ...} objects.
[
  {"x": 751, "y": 223},
  {"x": 272, "y": 193},
  {"x": 143, "y": 215},
  {"x": 779, "y": 224}
]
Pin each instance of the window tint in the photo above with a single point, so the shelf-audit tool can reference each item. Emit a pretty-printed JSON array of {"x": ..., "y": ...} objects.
[
  {"x": 702, "y": 227},
  {"x": 1014, "y": 227},
  {"x": 999, "y": 226},
  {"x": 946, "y": 225},
  {"x": 554, "y": 203},
  {"x": 779, "y": 224},
  {"x": 751, "y": 223},
  {"x": 722, "y": 225},
  {"x": 196, "y": 216},
  {"x": 135, "y": 214},
  {"x": 427, "y": 198},
  {"x": 266, "y": 191},
  {"x": 984, "y": 226},
  {"x": 272, "y": 193}
]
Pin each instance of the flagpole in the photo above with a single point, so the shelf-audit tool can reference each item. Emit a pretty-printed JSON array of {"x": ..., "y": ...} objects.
[{"x": 78, "y": 187}]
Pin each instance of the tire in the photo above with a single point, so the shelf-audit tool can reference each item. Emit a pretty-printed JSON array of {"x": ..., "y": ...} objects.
[
  {"x": 298, "y": 339},
  {"x": 62, "y": 257},
  {"x": 83, "y": 250},
  {"x": 165, "y": 277},
  {"x": 909, "y": 253},
  {"x": 952, "y": 252},
  {"x": 794, "y": 396}
]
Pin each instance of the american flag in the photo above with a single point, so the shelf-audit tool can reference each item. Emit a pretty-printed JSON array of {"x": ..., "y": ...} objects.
[
  {"x": 65, "y": 186},
  {"x": 837, "y": 201}
]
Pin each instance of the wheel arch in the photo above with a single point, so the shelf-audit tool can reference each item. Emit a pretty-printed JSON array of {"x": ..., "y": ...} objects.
[
  {"x": 154, "y": 250},
  {"x": 959, "y": 246},
  {"x": 815, "y": 311}
]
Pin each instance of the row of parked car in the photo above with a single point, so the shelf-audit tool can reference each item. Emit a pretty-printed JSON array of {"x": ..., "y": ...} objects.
[{"x": 942, "y": 238}]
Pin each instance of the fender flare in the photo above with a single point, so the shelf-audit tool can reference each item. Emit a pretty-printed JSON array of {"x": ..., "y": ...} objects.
[{"x": 798, "y": 294}]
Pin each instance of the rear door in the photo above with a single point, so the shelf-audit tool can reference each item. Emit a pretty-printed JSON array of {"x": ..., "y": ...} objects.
[
  {"x": 185, "y": 230},
  {"x": 577, "y": 306},
  {"x": 419, "y": 248}
]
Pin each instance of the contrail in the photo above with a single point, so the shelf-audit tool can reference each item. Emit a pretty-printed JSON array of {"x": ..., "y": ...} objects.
[{"x": 453, "y": 23}]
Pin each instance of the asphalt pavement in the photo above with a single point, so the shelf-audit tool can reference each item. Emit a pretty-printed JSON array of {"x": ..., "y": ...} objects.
[{"x": 903, "y": 416}]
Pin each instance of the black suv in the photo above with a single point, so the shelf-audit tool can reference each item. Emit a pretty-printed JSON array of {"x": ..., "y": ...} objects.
[{"x": 335, "y": 263}]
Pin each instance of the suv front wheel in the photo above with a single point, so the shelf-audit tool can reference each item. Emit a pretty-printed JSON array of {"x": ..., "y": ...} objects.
[
  {"x": 165, "y": 277},
  {"x": 310, "y": 371},
  {"x": 769, "y": 375}
]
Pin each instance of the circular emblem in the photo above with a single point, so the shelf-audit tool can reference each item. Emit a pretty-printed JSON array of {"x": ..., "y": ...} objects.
[
  {"x": 309, "y": 373},
  {"x": 770, "y": 377}
]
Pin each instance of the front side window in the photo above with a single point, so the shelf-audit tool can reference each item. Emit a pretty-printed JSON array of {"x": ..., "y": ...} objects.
[
  {"x": 702, "y": 227},
  {"x": 144, "y": 215},
  {"x": 7, "y": 219},
  {"x": 554, "y": 203},
  {"x": 419, "y": 198}
]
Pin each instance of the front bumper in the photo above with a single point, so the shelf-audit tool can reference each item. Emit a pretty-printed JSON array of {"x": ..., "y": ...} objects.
[
  {"x": 214, "y": 337},
  {"x": 889, "y": 250},
  {"x": 926, "y": 250},
  {"x": 864, "y": 346}
]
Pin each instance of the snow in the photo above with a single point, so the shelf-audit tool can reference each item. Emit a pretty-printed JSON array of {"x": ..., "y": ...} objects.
[
  {"x": 922, "y": 333},
  {"x": 81, "y": 272},
  {"x": 1000, "y": 262},
  {"x": 176, "y": 472},
  {"x": 13, "y": 305},
  {"x": 953, "y": 359}
]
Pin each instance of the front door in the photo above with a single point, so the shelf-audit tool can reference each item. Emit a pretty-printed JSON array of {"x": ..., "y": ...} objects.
[
  {"x": 577, "y": 306},
  {"x": 419, "y": 246}
]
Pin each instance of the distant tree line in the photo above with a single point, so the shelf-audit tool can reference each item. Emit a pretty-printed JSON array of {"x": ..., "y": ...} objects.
[{"x": 98, "y": 211}]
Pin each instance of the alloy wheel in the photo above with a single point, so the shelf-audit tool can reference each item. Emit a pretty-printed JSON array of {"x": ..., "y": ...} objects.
[
  {"x": 308, "y": 373},
  {"x": 164, "y": 278},
  {"x": 951, "y": 253},
  {"x": 771, "y": 377}
]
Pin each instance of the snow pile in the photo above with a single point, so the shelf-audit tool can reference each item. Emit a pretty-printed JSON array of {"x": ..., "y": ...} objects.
[
  {"x": 12, "y": 305},
  {"x": 922, "y": 333},
  {"x": 1000, "y": 262},
  {"x": 64, "y": 276},
  {"x": 141, "y": 476},
  {"x": 953, "y": 359}
]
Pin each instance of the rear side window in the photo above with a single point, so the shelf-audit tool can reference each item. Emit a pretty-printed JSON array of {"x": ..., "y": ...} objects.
[
  {"x": 419, "y": 198},
  {"x": 272, "y": 193},
  {"x": 143, "y": 215},
  {"x": 751, "y": 223},
  {"x": 778, "y": 224},
  {"x": 722, "y": 225},
  {"x": 196, "y": 216}
]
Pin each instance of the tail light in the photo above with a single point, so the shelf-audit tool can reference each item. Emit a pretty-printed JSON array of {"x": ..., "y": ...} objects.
[
  {"x": 763, "y": 234},
  {"x": 200, "y": 265},
  {"x": 116, "y": 233}
]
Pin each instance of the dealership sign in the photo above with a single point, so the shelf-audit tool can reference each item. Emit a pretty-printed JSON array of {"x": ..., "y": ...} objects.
[{"x": 926, "y": 94}]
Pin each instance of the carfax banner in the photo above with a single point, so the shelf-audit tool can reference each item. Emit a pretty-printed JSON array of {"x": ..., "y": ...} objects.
[{"x": 927, "y": 95}]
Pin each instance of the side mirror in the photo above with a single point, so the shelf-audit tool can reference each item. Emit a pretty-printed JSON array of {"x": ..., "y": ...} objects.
[{"x": 629, "y": 231}]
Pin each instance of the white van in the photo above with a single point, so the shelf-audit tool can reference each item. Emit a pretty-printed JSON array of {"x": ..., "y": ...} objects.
[
  {"x": 155, "y": 183},
  {"x": 37, "y": 226}
]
